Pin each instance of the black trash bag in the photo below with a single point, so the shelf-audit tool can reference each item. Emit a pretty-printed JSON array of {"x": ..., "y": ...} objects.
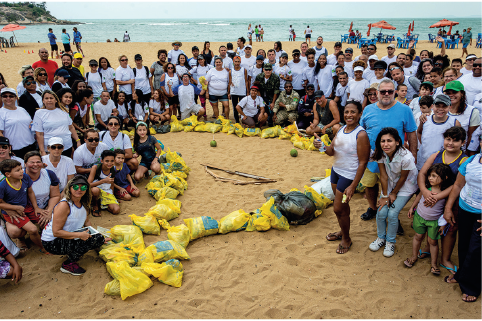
[
  {"x": 162, "y": 129},
  {"x": 295, "y": 206}
]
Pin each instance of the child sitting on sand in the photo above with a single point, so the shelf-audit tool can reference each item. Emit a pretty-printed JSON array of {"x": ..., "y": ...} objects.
[
  {"x": 101, "y": 179},
  {"x": 145, "y": 146},
  {"x": 427, "y": 219},
  {"x": 123, "y": 184}
]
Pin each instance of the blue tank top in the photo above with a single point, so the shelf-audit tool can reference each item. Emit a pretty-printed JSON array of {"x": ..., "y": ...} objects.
[{"x": 454, "y": 166}]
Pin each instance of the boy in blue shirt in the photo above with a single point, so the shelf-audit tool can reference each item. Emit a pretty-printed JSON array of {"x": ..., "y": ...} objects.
[
  {"x": 53, "y": 44},
  {"x": 18, "y": 204},
  {"x": 66, "y": 41},
  {"x": 123, "y": 185},
  {"x": 77, "y": 41}
]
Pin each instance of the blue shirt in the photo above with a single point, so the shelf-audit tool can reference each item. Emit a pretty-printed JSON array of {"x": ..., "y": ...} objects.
[
  {"x": 52, "y": 38},
  {"x": 77, "y": 36},
  {"x": 15, "y": 197},
  {"x": 120, "y": 178},
  {"x": 197, "y": 90},
  {"x": 463, "y": 172},
  {"x": 65, "y": 38},
  {"x": 374, "y": 119}
]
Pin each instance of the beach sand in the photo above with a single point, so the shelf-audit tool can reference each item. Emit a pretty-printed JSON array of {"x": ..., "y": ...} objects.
[{"x": 273, "y": 274}]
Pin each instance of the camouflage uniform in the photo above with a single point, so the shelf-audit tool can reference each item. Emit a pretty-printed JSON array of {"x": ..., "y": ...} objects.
[
  {"x": 270, "y": 88},
  {"x": 290, "y": 113}
]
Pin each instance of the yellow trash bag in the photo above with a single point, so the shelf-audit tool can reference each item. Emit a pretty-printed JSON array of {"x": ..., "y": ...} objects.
[
  {"x": 231, "y": 129},
  {"x": 130, "y": 235},
  {"x": 153, "y": 187},
  {"x": 179, "y": 174},
  {"x": 278, "y": 221},
  {"x": 271, "y": 132},
  {"x": 176, "y": 126},
  {"x": 145, "y": 256},
  {"x": 112, "y": 288},
  {"x": 170, "y": 180},
  {"x": 309, "y": 144},
  {"x": 164, "y": 211},
  {"x": 326, "y": 140},
  {"x": 284, "y": 135},
  {"x": 223, "y": 120},
  {"x": 190, "y": 121},
  {"x": 176, "y": 161},
  {"x": 117, "y": 252},
  {"x": 252, "y": 132},
  {"x": 297, "y": 141},
  {"x": 200, "y": 127},
  {"x": 213, "y": 128},
  {"x": 132, "y": 282},
  {"x": 201, "y": 226},
  {"x": 238, "y": 130},
  {"x": 147, "y": 223},
  {"x": 202, "y": 81},
  {"x": 179, "y": 234},
  {"x": 169, "y": 272},
  {"x": 166, "y": 250},
  {"x": 129, "y": 133},
  {"x": 236, "y": 221},
  {"x": 166, "y": 192},
  {"x": 226, "y": 127},
  {"x": 291, "y": 129},
  {"x": 152, "y": 131},
  {"x": 261, "y": 222},
  {"x": 321, "y": 202}
]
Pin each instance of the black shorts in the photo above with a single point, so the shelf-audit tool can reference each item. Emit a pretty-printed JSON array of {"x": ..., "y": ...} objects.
[
  {"x": 173, "y": 100},
  {"x": 54, "y": 47},
  {"x": 307, "y": 36},
  {"x": 67, "y": 47}
]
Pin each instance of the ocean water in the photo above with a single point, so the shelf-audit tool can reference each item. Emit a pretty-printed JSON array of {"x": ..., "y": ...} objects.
[{"x": 157, "y": 30}]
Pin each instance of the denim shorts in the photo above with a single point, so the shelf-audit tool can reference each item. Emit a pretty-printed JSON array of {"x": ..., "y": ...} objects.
[{"x": 214, "y": 99}]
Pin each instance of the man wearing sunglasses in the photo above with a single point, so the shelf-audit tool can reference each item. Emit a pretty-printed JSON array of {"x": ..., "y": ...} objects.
[
  {"x": 472, "y": 82},
  {"x": 50, "y": 66},
  {"x": 88, "y": 154},
  {"x": 387, "y": 112},
  {"x": 31, "y": 99},
  {"x": 297, "y": 66}
]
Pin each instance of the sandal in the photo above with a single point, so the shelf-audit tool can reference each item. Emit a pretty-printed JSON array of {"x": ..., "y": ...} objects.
[
  {"x": 466, "y": 297},
  {"x": 409, "y": 262},
  {"x": 96, "y": 213},
  {"x": 435, "y": 270},
  {"x": 341, "y": 248},
  {"x": 423, "y": 255},
  {"x": 333, "y": 236},
  {"x": 22, "y": 246},
  {"x": 453, "y": 271},
  {"x": 447, "y": 279}
]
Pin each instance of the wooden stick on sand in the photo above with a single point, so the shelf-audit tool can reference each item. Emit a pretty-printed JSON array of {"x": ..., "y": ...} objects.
[{"x": 259, "y": 179}]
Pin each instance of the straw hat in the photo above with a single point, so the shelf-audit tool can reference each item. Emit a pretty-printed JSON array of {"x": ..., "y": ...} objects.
[{"x": 180, "y": 43}]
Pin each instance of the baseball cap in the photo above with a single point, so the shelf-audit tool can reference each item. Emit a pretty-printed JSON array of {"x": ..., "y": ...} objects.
[
  {"x": 380, "y": 64},
  {"x": 93, "y": 62},
  {"x": 194, "y": 48},
  {"x": 319, "y": 93},
  {"x": 310, "y": 86},
  {"x": 79, "y": 179},
  {"x": 78, "y": 55},
  {"x": 248, "y": 46},
  {"x": 350, "y": 50},
  {"x": 442, "y": 98},
  {"x": 296, "y": 51},
  {"x": 55, "y": 141},
  {"x": 337, "y": 44},
  {"x": 391, "y": 46},
  {"x": 427, "y": 83},
  {"x": 260, "y": 57},
  {"x": 373, "y": 57},
  {"x": 4, "y": 140},
  {"x": 63, "y": 73},
  {"x": 267, "y": 66},
  {"x": 138, "y": 57},
  {"x": 24, "y": 80},
  {"x": 8, "y": 90},
  {"x": 284, "y": 55},
  {"x": 454, "y": 85},
  {"x": 358, "y": 68}
]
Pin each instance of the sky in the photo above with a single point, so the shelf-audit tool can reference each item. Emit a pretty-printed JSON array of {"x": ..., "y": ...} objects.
[{"x": 121, "y": 9}]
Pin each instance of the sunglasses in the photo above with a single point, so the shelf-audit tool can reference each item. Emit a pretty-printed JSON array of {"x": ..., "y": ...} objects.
[
  {"x": 372, "y": 94},
  {"x": 54, "y": 147},
  {"x": 310, "y": 89},
  {"x": 8, "y": 96},
  {"x": 124, "y": 60},
  {"x": 170, "y": 67},
  {"x": 42, "y": 74},
  {"x": 5, "y": 146},
  {"x": 90, "y": 140},
  {"x": 28, "y": 83},
  {"x": 82, "y": 187},
  {"x": 472, "y": 59},
  {"x": 393, "y": 68},
  {"x": 384, "y": 92},
  {"x": 477, "y": 65},
  {"x": 438, "y": 64},
  {"x": 370, "y": 48},
  {"x": 113, "y": 124}
]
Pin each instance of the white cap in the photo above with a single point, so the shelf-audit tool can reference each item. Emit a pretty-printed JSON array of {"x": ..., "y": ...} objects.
[
  {"x": 358, "y": 68},
  {"x": 471, "y": 56},
  {"x": 373, "y": 57},
  {"x": 8, "y": 90},
  {"x": 55, "y": 141}
]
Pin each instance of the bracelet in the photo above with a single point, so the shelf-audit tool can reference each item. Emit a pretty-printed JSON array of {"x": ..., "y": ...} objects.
[
  {"x": 383, "y": 196},
  {"x": 77, "y": 139}
]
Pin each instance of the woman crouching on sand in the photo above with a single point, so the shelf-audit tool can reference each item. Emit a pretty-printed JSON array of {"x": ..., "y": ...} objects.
[
  {"x": 69, "y": 215},
  {"x": 351, "y": 149}
]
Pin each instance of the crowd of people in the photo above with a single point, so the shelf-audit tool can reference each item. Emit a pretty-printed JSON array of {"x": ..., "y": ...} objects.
[{"x": 402, "y": 125}]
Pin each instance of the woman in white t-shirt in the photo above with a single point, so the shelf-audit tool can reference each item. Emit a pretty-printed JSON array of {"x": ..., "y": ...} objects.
[
  {"x": 170, "y": 79},
  {"x": 182, "y": 66},
  {"x": 158, "y": 108},
  {"x": 53, "y": 120},
  {"x": 139, "y": 109},
  {"x": 218, "y": 87},
  {"x": 95, "y": 80},
  {"x": 15, "y": 124},
  {"x": 198, "y": 71},
  {"x": 124, "y": 77},
  {"x": 108, "y": 76},
  {"x": 123, "y": 108},
  {"x": 41, "y": 77},
  {"x": 239, "y": 84}
]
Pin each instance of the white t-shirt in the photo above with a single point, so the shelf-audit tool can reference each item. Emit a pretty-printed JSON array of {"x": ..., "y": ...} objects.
[
  {"x": 463, "y": 70},
  {"x": 356, "y": 89},
  {"x": 121, "y": 141},
  {"x": 251, "y": 106},
  {"x": 410, "y": 71},
  {"x": 173, "y": 55},
  {"x": 247, "y": 63},
  {"x": 85, "y": 159},
  {"x": 402, "y": 160},
  {"x": 309, "y": 74},
  {"x": 368, "y": 74},
  {"x": 108, "y": 77},
  {"x": 375, "y": 80},
  {"x": 124, "y": 74},
  {"x": 200, "y": 71},
  {"x": 192, "y": 62},
  {"x": 15, "y": 125},
  {"x": 181, "y": 70},
  {"x": 318, "y": 52},
  {"x": 42, "y": 88},
  {"x": 240, "y": 51},
  {"x": 53, "y": 123},
  {"x": 142, "y": 82},
  {"x": 389, "y": 60},
  {"x": 304, "y": 58},
  {"x": 266, "y": 61},
  {"x": 325, "y": 80},
  {"x": 297, "y": 72},
  {"x": 278, "y": 54},
  {"x": 20, "y": 89},
  {"x": 227, "y": 62},
  {"x": 285, "y": 71},
  {"x": 342, "y": 93},
  {"x": 218, "y": 81},
  {"x": 122, "y": 109},
  {"x": 477, "y": 103},
  {"x": 349, "y": 68},
  {"x": 253, "y": 72},
  {"x": 38, "y": 99},
  {"x": 139, "y": 111},
  {"x": 104, "y": 110},
  {"x": 95, "y": 81},
  {"x": 472, "y": 86},
  {"x": 308, "y": 31},
  {"x": 156, "y": 106},
  {"x": 186, "y": 96},
  {"x": 238, "y": 81},
  {"x": 64, "y": 168},
  {"x": 331, "y": 59}
]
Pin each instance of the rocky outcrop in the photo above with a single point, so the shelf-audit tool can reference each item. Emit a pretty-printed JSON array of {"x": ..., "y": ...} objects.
[{"x": 28, "y": 13}]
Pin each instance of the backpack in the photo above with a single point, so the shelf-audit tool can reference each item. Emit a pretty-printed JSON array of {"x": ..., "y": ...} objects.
[
  {"x": 103, "y": 134},
  {"x": 99, "y": 169},
  {"x": 147, "y": 71},
  {"x": 87, "y": 76}
]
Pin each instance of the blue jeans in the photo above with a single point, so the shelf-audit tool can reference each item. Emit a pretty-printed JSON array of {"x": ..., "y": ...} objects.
[{"x": 387, "y": 219}]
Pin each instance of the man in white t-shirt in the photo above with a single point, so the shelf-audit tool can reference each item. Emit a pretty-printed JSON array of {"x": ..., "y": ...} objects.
[
  {"x": 173, "y": 54},
  {"x": 369, "y": 72},
  {"x": 240, "y": 50},
  {"x": 271, "y": 58},
  {"x": 186, "y": 93},
  {"x": 256, "y": 69},
  {"x": 308, "y": 32},
  {"x": 247, "y": 61},
  {"x": 195, "y": 53},
  {"x": 319, "y": 49},
  {"x": 332, "y": 59},
  {"x": 297, "y": 66},
  {"x": 251, "y": 109},
  {"x": 364, "y": 51},
  {"x": 409, "y": 68},
  {"x": 349, "y": 61},
  {"x": 303, "y": 48},
  {"x": 309, "y": 70},
  {"x": 124, "y": 77},
  {"x": 127, "y": 38},
  {"x": 103, "y": 109},
  {"x": 341, "y": 95},
  {"x": 227, "y": 62},
  {"x": 472, "y": 82},
  {"x": 290, "y": 32},
  {"x": 391, "y": 54},
  {"x": 398, "y": 77},
  {"x": 88, "y": 154},
  {"x": 143, "y": 79}
]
